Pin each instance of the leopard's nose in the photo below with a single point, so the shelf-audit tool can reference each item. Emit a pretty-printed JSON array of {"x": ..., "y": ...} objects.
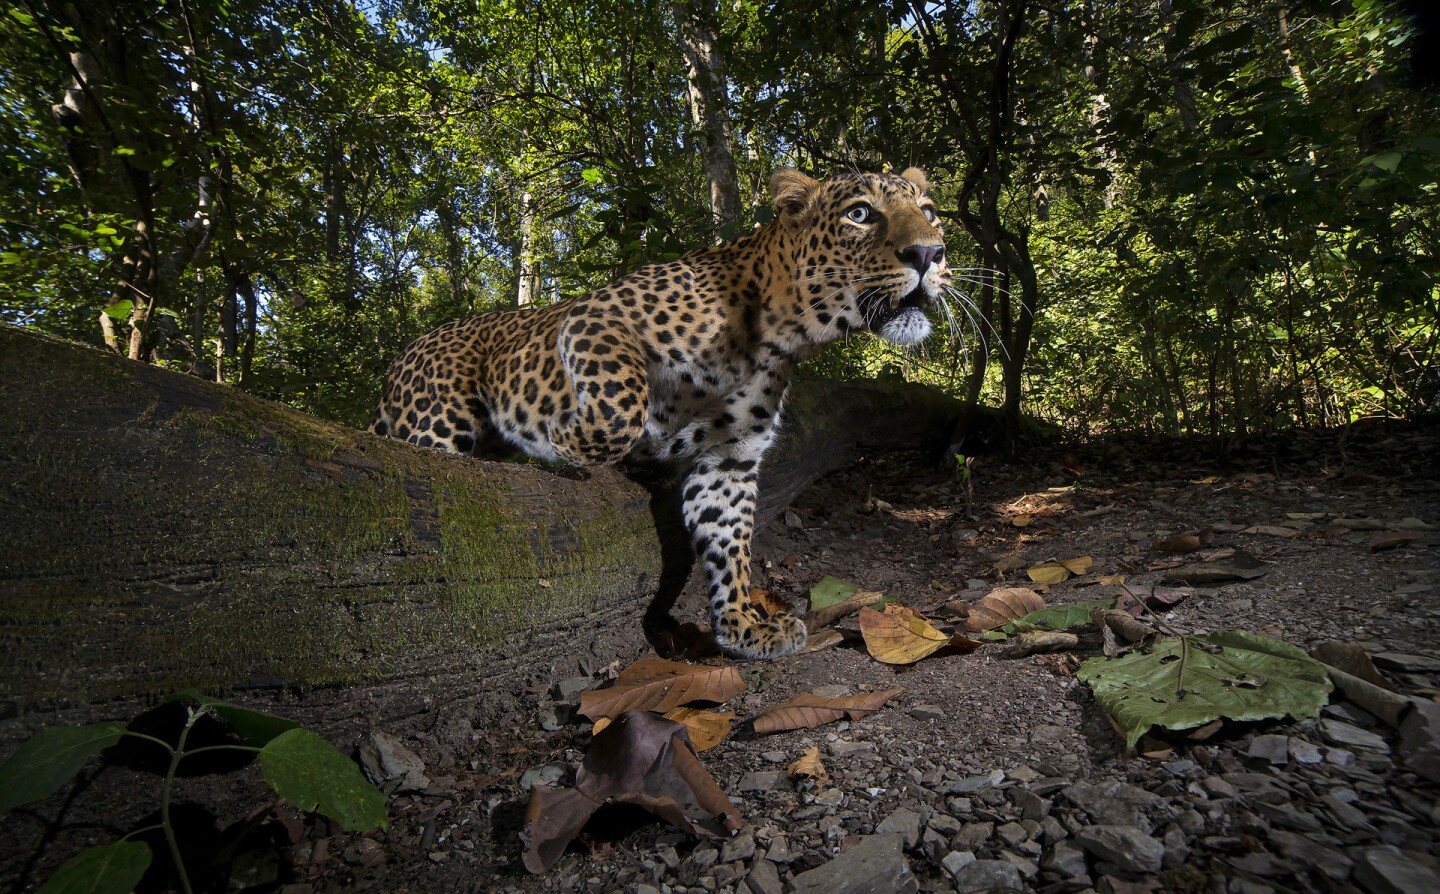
[{"x": 919, "y": 256}]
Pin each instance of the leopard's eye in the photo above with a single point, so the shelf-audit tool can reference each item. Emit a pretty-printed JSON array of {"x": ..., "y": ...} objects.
[
  {"x": 929, "y": 212},
  {"x": 861, "y": 213}
]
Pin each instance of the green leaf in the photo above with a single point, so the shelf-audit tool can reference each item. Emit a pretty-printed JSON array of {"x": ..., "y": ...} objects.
[
  {"x": 591, "y": 175},
  {"x": 308, "y": 772},
  {"x": 40, "y": 766},
  {"x": 1187, "y": 682},
  {"x": 255, "y": 727},
  {"x": 1385, "y": 161},
  {"x": 830, "y": 591},
  {"x": 120, "y": 310},
  {"x": 108, "y": 869},
  {"x": 1058, "y": 617}
]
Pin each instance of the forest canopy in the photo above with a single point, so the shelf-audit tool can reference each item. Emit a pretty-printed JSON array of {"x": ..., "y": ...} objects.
[{"x": 1187, "y": 217}]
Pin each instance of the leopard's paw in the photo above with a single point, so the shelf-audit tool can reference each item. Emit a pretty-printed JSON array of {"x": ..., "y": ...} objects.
[{"x": 763, "y": 639}]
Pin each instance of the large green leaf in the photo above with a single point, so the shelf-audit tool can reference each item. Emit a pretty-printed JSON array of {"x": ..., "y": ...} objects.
[
  {"x": 1190, "y": 681},
  {"x": 1058, "y": 617},
  {"x": 255, "y": 727},
  {"x": 830, "y": 591},
  {"x": 46, "y": 762},
  {"x": 108, "y": 869},
  {"x": 308, "y": 772}
]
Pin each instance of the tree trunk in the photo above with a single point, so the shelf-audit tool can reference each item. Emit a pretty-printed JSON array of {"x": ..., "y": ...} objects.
[
  {"x": 163, "y": 531},
  {"x": 525, "y": 261},
  {"x": 710, "y": 106}
]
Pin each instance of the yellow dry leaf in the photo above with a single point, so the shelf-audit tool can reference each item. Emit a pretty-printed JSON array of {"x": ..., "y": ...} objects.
[
  {"x": 899, "y": 635},
  {"x": 1110, "y": 580},
  {"x": 1079, "y": 564},
  {"x": 1009, "y": 563},
  {"x": 1048, "y": 573},
  {"x": 1208, "y": 479},
  {"x": 707, "y": 728},
  {"x": 808, "y": 765},
  {"x": 1021, "y": 521},
  {"x": 599, "y": 725}
]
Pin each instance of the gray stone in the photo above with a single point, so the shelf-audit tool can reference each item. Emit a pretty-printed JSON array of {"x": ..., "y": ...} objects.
[
  {"x": 779, "y": 851},
  {"x": 1310, "y": 851},
  {"x": 763, "y": 781},
  {"x": 989, "y": 875},
  {"x": 764, "y": 878},
  {"x": 1304, "y": 751},
  {"x": 569, "y": 689},
  {"x": 644, "y": 889},
  {"x": 843, "y": 748},
  {"x": 927, "y": 712},
  {"x": 1012, "y": 833},
  {"x": 873, "y": 865},
  {"x": 1177, "y": 847},
  {"x": 696, "y": 865},
  {"x": 955, "y": 861},
  {"x": 1420, "y": 739},
  {"x": 934, "y": 845},
  {"x": 1288, "y": 818},
  {"x": 741, "y": 847},
  {"x": 1385, "y": 870},
  {"x": 1027, "y": 867},
  {"x": 1339, "y": 757},
  {"x": 1067, "y": 859},
  {"x": 1114, "y": 803},
  {"x": 944, "y": 823},
  {"x": 972, "y": 784},
  {"x": 1337, "y": 732},
  {"x": 903, "y": 822},
  {"x": 1180, "y": 767},
  {"x": 1350, "y": 816},
  {"x": 1406, "y": 663},
  {"x": 552, "y": 774},
  {"x": 1274, "y": 750},
  {"x": 1031, "y": 805},
  {"x": 974, "y": 835},
  {"x": 833, "y": 690},
  {"x": 1128, "y": 847},
  {"x": 1053, "y": 830},
  {"x": 831, "y": 797}
]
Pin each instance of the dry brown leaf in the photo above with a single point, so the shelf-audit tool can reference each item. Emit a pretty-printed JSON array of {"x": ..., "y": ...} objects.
[
  {"x": 823, "y": 639},
  {"x": 768, "y": 603},
  {"x": 823, "y": 617},
  {"x": 653, "y": 684},
  {"x": 1032, "y": 642},
  {"x": 1270, "y": 531},
  {"x": 1188, "y": 542},
  {"x": 808, "y": 765},
  {"x": 642, "y": 760},
  {"x": 1125, "y": 625},
  {"x": 1054, "y": 572},
  {"x": 1001, "y": 606},
  {"x": 808, "y": 710},
  {"x": 1009, "y": 564},
  {"x": 1021, "y": 521},
  {"x": 1208, "y": 479},
  {"x": 1353, "y": 660},
  {"x": 706, "y": 728},
  {"x": 1383, "y": 540},
  {"x": 899, "y": 635},
  {"x": 1111, "y": 580}
]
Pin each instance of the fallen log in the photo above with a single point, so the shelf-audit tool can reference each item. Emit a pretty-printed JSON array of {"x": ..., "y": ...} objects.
[{"x": 162, "y": 532}]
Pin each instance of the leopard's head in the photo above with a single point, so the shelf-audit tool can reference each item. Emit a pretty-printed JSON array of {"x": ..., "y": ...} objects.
[{"x": 869, "y": 253}]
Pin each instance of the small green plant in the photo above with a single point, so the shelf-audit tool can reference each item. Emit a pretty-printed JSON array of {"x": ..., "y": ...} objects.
[
  {"x": 299, "y": 765},
  {"x": 963, "y": 466}
]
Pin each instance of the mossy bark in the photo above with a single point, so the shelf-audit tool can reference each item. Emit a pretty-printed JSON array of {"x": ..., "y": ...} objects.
[{"x": 161, "y": 531}]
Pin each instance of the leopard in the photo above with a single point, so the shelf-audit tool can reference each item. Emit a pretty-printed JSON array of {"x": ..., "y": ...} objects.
[{"x": 688, "y": 363}]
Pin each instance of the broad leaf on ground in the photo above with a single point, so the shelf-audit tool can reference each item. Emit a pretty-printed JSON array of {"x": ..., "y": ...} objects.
[
  {"x": 1188, "y": 542},
  {"x": 640, "y": 759},
  {"x": 830, "y": 590},
  {"x": 1185, "y": 682},
  {"x": 1058, "y": 571},
  {"x": 808, "y": 710},
  {"x": 307, "y": 771},
  {"x": 901, "y": 635},
  {"x": 808, "y": 765},
  {"x": 653, "y": 684},
  {"x": 1239, "y": 566},
  {"x": 706, "y": 728},
  {"x": 108, "y": 869},
  {"x": 1001, "y": 606},
  {"x": 255, "y": 727},
  {"x": 40, "y": 766},
  {"x": 1058, "y": 617}
]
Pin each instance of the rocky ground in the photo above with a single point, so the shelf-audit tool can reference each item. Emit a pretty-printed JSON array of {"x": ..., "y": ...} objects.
[{"x": 987, "y": 774}]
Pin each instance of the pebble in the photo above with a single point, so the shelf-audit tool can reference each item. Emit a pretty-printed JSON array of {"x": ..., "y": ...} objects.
[
  {"x": 1304, "y": 751},
  {"x": 1128, "y": 847},
  {"x": 1114, "y": 803},
  {"x": 989, "y": 875},
  {"x": 1030, "y": 805},
  {"x": 1385, "y": 870},
  {"x": 741, "y": 847},
  {"x": 551, "y": 774},
  {"x": 1274, "y": 750},
  {"x": 974, "y": 835},
  {"x": 843, "y": 748},
  {"x": 1406, "y": 663},
  {"x": 1068, "y": 859},
  {"x": 1338, "y": 732},
  {"x": 569, "y": 689},
  {"x": 764, "y": 781},
  {"x": 833, "y": 690},
  {"x": 903, "y": 822},
  {"x": 927, "y": 712},
  {"x": 764, "y": 878},
  {"x": 873, "y": 865},
  {"x": 955, "y": 861}
]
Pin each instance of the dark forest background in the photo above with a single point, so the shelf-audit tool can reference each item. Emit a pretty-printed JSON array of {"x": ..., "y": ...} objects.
[{"x": 1173, "y": 217}]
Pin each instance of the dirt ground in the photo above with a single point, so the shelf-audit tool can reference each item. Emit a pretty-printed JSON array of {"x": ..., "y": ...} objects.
[{"x": 957, "y": 764}]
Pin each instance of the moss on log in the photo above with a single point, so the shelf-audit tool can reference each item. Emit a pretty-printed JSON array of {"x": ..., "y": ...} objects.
[{"x": 161, "y": 531}]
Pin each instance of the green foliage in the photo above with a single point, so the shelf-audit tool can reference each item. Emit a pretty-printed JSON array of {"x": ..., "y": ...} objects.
[
  {"x": 1186, "y": 682},
  {"x": 1214, "y": 221},
  {"x": 299, "y": 765}
]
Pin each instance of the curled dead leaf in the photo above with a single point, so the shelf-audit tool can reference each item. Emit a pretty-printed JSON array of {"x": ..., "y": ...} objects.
[
  {"x": 808, "y": 710},
  {"x": 1188, "y": 542},
  {"x": 1056, "y": 571},
  {"x": 809, "y": 766},
  {"x": 1001, "y": 606},
  {"x": 1125, "y": 625},
  {"x": 769, "y": 603},
  {"x": 1033, "y": 642},
  {"x": 899, "y": 635},
  {"x": 1022, "y": 520},
  {"x": 706, "y": 728},
  {"x": 1271, "y": 531},
  {"x": 653, "y": 684},
  {"x": 823, "y": 639},
  {"x": 823, "y": 617}
]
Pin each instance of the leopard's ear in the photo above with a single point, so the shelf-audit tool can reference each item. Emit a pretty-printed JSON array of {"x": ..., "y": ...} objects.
[
  {"x": 792, "y": 192},
  {"x": 917, "y": 177}
]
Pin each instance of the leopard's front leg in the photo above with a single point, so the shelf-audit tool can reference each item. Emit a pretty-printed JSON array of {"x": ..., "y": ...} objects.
[{"x": 719, "y": 507}]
